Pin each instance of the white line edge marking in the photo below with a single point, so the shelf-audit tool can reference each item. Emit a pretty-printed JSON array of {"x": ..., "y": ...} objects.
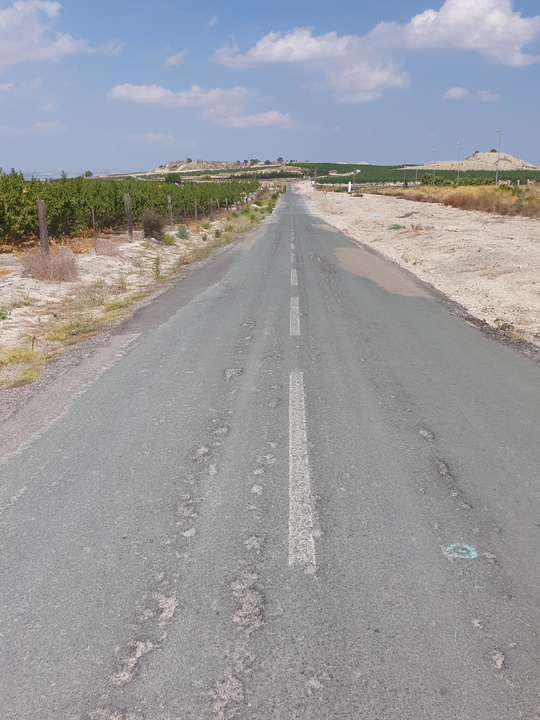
[
  {"x": 295, "y": 316},
  {"x": 301, "y": 541},
  {"x": 294, "y": 277}
]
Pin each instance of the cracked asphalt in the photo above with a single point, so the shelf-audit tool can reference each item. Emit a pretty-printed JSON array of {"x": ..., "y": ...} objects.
[{"x": 293, "y": 487}]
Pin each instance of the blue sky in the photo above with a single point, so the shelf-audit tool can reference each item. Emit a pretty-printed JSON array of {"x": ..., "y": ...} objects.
[{"x": 128, "y": 85}]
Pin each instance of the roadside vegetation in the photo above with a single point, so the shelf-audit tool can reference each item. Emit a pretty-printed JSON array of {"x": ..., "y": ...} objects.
[
  {"x": 88, "y": 309},
  {"x": 503, "y": 200}
]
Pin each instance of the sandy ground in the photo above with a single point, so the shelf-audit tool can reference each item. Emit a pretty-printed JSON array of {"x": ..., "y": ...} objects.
[
  {"x": 488, "y": 263},
  {"x": 32, "y": 303}
]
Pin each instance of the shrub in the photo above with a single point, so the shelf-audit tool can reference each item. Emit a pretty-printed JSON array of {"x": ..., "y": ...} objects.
[
  {"x": 397, "y": 226},
  {"x": 104, "y": 246},
  {"x": 153, "y": 224},
  {"x": 4, "y": 313},
  {"x": 206, "y": 225},
  {"x": 168, "y": 239},
  {"x": 204, "y": 237},
  {"x": 182, "y": 232},
  {"x": 218, "y": 233},
  {"x": 61, "y": 267},
  {"x": 253, "y": 218}
]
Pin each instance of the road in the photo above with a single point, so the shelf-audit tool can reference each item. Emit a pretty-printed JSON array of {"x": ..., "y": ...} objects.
[{"x": 301, "y": 490}]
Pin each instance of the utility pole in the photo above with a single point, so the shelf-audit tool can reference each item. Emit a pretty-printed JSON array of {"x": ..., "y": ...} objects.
[{"x": 498, "y": 153}]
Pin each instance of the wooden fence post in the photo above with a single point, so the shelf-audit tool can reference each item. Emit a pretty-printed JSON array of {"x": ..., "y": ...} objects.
[
  {"x": 226, "y": 204},
  {"x": 129, "y": 217},
  {"x": 169, "y": 208},
  {"x": 43, "y": 235},
  {"x": 94, "y": 227},
  {"x": 195, "y": 206}
]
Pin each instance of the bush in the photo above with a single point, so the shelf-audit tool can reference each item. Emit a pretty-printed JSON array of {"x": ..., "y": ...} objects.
[
  {"x": 182, "y": 232},
  {"x": 153, "y": 224},
  {"x": 4, "y": 313},
  {"x": 168, "y": 239},
  {"x": 61, "y": 267},
  {"x": 104, "y": 246},
  {"x": 218, "y": 233}
]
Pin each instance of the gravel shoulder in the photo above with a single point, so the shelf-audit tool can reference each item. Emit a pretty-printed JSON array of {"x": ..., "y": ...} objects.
[{"x": 485, "y": 264}]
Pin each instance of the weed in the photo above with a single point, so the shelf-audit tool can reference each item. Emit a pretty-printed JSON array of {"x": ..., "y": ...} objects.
[
  {"x": 157, "y": 268},
  {"x": 22, "y": 300},
  {"x": 168, "y": 239},
  {"x": 138, "y": 263},
  {"x": 234, "y": 214},
  {"x": 182, "y": 233},
  {"x": 217, "y": 233},
  {"x": 397, "y": 226},
  {"x": 229, "y": 228},
  {"x": 204, "y": 237},
  {"x": 61, "y": 267},
  {"x": 4, "y": 313},
  {"x": 253, "y": 217},
  {"x": 206, "y": 225},
  {"x": 153, "y": 224},
  {"x": 73, "y": 325}
]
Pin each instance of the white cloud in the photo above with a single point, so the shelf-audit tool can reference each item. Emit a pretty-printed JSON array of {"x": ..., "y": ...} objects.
[
  {"x": 212, "y": 22},
  {"x": 194, "y": 97},
  {"x": 51, "y": 128},
  {"x": 490, "y": 27},
  {"x": 48, "y": 128},
  {"x": 233, "y": 117},
  {"x": 27, "y": 34},
  {"x": 174, "y": 60},
  {"x": 223, "y": 107},
  {"x": 459, "y": 93},
  {"x": 151, "y": 137},
  {"x": 359, "y": 68},
  {"x": 33, "y": 92}
]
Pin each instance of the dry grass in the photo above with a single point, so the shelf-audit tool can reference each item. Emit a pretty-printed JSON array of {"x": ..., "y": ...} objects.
[
  {"x": 61, "y": 267},
  {"x": 5, "y": 271},
  {"x": 503, "y": 200},
  {"x": 105, "y": 246}
]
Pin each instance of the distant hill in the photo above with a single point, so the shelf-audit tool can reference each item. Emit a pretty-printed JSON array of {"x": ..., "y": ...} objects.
[{"x": 484, "y": 161}]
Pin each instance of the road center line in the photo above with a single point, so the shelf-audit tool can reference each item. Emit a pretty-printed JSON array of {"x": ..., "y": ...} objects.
[
  {"x": 294, "y": 277},
  {"x": 295, "y": 316},
  {"x": 301, "y": 542}
]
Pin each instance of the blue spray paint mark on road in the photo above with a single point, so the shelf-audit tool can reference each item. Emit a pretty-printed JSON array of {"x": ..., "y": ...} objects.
[{"x": 465, "y": 552}]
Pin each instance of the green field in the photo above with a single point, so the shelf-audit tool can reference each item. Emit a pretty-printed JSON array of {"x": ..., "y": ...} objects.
[{"x": 397, "y": 173}]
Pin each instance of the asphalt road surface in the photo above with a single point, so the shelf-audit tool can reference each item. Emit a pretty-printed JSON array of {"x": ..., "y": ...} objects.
[{"x": 301, "y": 490}]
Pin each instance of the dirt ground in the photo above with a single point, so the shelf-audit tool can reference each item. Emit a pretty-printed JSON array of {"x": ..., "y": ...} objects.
[{"x": 488, "y": 263}]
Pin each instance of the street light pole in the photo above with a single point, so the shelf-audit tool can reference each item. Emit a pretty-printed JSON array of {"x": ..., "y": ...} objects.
[
  {"x": 458, "y": 159},
  {"x": 434, "y": 163},
  {"x": 498, "y": 153}
]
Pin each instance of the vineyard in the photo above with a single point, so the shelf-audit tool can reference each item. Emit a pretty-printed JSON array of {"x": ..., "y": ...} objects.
[
  {"x": 366, "y": 174},
  {"x": 69, "y": 203}
]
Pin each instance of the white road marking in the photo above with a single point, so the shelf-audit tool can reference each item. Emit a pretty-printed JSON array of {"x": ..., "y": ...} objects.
[
  {"x": 295, "y": 316},
  {"x": 292, "y": 246},
  {"x": 301, "y": 542},
  {"x": 294, "y": 277}
]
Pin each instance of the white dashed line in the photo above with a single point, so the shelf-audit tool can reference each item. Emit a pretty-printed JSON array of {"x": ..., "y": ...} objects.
[
  {"x": 294, "y": 277},
  {"x": 301, "y": 542},
  {"x": 295, "y": 316}
]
